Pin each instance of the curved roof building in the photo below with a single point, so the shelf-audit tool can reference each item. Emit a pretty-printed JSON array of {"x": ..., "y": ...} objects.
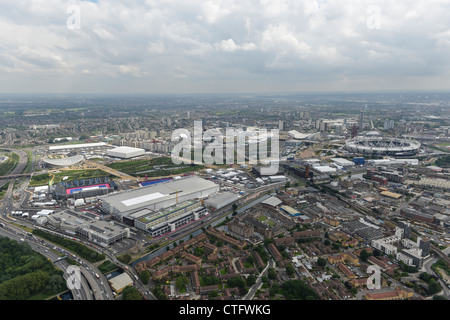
[{"x": 64, "y": 162}]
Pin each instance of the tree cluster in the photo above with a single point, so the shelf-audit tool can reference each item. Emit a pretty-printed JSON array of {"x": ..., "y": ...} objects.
[
  {"x": 78, "y": 248},
  {"x": 24, "y": 272}
]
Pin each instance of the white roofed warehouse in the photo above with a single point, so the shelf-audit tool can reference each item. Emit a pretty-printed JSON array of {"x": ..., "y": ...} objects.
[
  {"x": 221, "y": 200},
  {"x": 158, "y": 196},
  {"x": 120, "y": 282},
  {"x": 125, "y": 152}
]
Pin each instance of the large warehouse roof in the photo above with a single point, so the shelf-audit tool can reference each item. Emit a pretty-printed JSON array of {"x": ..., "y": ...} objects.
[
  {"x": 77, "y": 146},
  {"x": 159, "y": 195},
  {"x": 272, "y": 201},
  {"x": 222, "y": 197}
]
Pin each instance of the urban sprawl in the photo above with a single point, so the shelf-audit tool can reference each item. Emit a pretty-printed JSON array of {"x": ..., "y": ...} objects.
[{"x": 359, "y": 208}]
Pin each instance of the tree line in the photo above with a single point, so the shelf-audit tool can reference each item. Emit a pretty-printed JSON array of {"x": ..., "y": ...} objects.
[{"x": 78, "y": 248}]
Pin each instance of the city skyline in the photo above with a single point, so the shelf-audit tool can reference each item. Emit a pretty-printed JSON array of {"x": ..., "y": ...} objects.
[{"x": 223, "y": 47}]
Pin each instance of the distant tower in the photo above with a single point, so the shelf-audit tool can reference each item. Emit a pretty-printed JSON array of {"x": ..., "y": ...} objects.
[
  {"x": 361, "y": 120},
  {"x": 354, "y": 130}
]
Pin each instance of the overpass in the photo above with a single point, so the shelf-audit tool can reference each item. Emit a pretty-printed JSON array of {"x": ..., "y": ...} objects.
[
  {"x": 59, "y": 259},
  {"x": 440, "y": 253},
  {"x": 120, "y": 175},
  {"x": 18, "y": 175}
]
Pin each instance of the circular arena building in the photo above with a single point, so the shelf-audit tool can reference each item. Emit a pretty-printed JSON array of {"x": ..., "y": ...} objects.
[
  {"x": 373, "y": 145},
  {"x": 63, "y": 162}
]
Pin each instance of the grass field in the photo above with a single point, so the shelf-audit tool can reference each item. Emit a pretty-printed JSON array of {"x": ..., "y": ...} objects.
[
  {"x": 8, "y": 165},
  {"x": 43, "y": 179},
  {"x": 157, "y": 167}
]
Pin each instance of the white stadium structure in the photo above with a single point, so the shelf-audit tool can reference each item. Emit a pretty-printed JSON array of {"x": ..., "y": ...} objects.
[
  {"x": 375, "y": 145},
  {"x": 63, "y": 162}
]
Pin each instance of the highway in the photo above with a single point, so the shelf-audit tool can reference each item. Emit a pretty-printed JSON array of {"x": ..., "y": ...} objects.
[
  {"x": 45, "y": 249},
  {"x": 427, "y": 267},
  {"x": 17, "y": 170},
  {"x": 90, "y": 287}
]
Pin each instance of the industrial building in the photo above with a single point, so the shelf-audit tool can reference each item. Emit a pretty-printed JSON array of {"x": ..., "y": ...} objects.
[
  {"x": 125, "y": 152},
  {"x": 324, "y": 169},
  {"x": 80, "y": 146},
  {"x": 278, "y": 178},
  {"x": 221, "y": 200},
  {"x": 362, "y": 229},
  {"x": 342, "y": 162},
  {"x": 156, "y": 197},
  {"x": 169, "y": 219},
  {"x": 120, "y": 282},
  {"x": 83, "y": 188},
  {"x": 87, "y": 225}
]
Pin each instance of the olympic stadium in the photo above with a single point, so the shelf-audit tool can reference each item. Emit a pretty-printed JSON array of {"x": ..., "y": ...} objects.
[{"x": 373, "y": 145}]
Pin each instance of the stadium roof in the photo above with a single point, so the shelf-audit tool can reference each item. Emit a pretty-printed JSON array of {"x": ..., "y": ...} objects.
[
  {"x": 63, "y": 162},
  {"x": 301, "y": 136}
]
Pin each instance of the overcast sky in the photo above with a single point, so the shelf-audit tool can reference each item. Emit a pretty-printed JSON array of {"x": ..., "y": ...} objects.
[{"x": 223, "y": 46}]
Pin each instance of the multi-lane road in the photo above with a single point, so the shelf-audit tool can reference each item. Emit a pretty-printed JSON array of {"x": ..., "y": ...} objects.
[
  {"x": 81, "y": 278},
  {"x": 85, "y": 280}
]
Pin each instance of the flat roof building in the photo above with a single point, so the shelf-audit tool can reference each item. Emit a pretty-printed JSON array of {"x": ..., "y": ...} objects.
[
  {"x": 71, "y": 147},
  {"x": 89, "y": 226},
  {"x": 156, "y": 197},
  {"x": 221, "y": 200},
  {"x": 343, "y": 162},
  {"x": 120, "y": 282},
  {"x": 125, "y": 152},
  {"x": 171, "y": 218}
]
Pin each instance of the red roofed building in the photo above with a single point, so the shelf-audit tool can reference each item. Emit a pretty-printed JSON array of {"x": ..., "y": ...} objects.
[{"x": 396, "y": 294}]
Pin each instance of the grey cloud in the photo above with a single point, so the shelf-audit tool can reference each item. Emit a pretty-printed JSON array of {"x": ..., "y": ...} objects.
[{"x": 227, "y": 45}]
